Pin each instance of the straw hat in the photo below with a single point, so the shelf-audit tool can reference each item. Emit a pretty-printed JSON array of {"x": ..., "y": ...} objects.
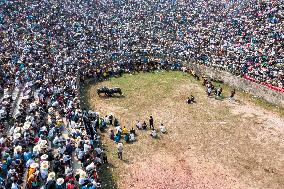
[
  {"x": 18, "y": 149},
  {"x": 34, "y": 165},
  {"x": 119, "y": 144},
  {"x": 81, "y": 173},
  {"x": 17, "y": 135},
  {"x": 44, "y": 157},
  {"x": 50, "y": 109},
  {"x": 51, "y": 176},
  {"x": 26, "y": 127},
  {"x": 59, "y": 181},
  {"x": 68, "y": 170},
  {"x": 90, "y": 167},
  {"x": 27, "y": 123},
  {"x": 17, "y": 130},
  {"x": 44, "y": 165},
  {"x": 42, "y": 143},
  {"x": 84, "y": 133},
  {"x": 36, "y": 148}
]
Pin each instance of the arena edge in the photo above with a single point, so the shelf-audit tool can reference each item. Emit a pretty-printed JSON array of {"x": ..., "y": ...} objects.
[{"x": 255, "y": 89}]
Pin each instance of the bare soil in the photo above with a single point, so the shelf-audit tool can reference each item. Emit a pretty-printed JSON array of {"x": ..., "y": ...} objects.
[{"x": 209, "y": 144}]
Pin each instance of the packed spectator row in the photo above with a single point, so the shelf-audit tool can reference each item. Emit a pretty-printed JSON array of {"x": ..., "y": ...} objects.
[
  {"x": 243, "y": 37},
  {"x": 46, "y": 46}
]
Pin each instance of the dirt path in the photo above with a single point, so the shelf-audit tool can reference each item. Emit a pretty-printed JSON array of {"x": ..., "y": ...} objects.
[{"x": 211, "y": 144}]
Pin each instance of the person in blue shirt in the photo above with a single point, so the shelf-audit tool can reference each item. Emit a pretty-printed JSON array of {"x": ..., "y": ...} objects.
[
  {"x": 126, "y": 138},
  {"x": 117, "y": 138},
  {"x": 4, "y": 169}
]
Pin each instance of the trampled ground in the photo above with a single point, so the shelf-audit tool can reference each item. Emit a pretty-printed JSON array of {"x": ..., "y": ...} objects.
[{"x": 210, "y": 144}]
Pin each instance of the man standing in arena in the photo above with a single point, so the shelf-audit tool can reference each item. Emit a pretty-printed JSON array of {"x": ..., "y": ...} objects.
[
  {"x": 119, "y": 150},
  {"x": 151, "y": 122},
  {"x": 233, "y": 92}
]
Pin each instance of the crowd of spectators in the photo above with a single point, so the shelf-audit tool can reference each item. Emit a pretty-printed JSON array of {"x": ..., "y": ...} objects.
[{"x": 45, "y": 46}]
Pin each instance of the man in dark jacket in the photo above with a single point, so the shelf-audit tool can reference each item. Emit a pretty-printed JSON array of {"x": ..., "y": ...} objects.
[{"x": 151, "y": 122}]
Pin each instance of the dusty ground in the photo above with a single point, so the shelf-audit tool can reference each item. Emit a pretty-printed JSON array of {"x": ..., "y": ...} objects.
[{"x": 210, "y": 144}]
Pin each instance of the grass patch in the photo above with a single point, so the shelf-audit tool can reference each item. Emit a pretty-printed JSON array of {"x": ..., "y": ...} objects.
[{"x": 234, "y": 139}]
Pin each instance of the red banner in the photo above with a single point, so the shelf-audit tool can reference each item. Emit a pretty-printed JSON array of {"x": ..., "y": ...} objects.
[{"x": 265, "y": 84}]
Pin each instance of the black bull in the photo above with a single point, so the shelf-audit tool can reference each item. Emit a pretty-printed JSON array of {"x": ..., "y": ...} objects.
[{"x": 109, "y": 92}]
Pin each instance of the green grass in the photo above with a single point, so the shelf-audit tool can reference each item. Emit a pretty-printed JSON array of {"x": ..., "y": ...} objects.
[
  {"x": 258, "y": 101},
  {"x": 161, "y": 93}
]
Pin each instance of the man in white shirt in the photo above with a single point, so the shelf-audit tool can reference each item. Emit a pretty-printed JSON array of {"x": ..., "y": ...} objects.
[
  {"x": 163, "y": 128},
  {"x": 132, "y": 137},
  {"x": 154, "y": 133},
  {"x": 119, "y": 150},
  {"x": 139, "y": 125}
]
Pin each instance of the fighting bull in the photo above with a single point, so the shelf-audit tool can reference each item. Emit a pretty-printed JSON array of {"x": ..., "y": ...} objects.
[{"x": 109, "y": 91}]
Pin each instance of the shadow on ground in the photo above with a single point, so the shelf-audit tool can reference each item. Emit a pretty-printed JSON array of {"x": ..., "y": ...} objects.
[{"x": 107, "y": 177}]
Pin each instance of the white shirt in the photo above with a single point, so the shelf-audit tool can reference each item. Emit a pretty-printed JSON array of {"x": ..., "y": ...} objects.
[
  {"x": 98, "y": 150},
  {"x": 14, "y": 186},
  {"x": 162, "y": 128},
  {"x": 154, "y": 133},
  {"x": 132, "y": 137},
  {"x": 120, "y": 148},
  {"x": 139, "y": 125}
]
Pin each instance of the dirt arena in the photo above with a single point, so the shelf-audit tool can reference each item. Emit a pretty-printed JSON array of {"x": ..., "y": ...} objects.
[{"x": 210, "y": 144}]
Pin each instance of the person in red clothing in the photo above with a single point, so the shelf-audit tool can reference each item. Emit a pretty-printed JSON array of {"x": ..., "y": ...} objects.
[
  {"x": 69, "y": 177},
  {"x": 71, "y": 185}
]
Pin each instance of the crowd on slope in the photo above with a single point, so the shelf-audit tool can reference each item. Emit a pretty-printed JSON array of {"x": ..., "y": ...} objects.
[
  {"x": 45, "y": 46},
  {"x": 243, "y": 37}
]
